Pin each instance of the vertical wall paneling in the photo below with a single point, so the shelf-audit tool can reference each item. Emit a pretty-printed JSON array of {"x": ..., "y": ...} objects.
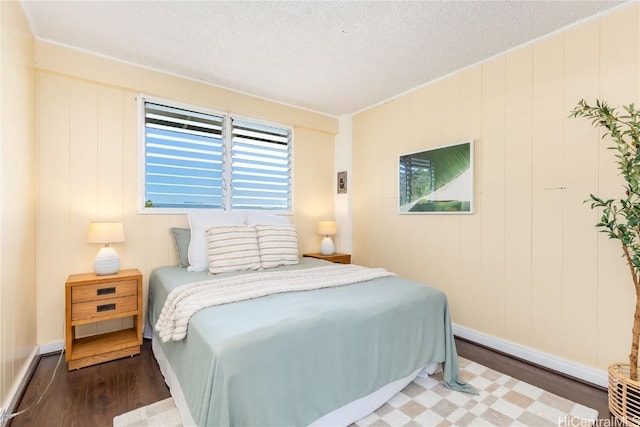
[
  {"x": 398, "y": 124},
  {"x": 109, "y": 173},
  {"x": 428, "y": 229},
  {"x": 580, "y": 238},
  {"x": 368, "y": 241},
  {"x": 421, "y": 238},
  {"x": 398, "y": 128},
  {"x": 364, "y": 184},
  {"x": 313, "y": 169},
  {"x": 517, "y": 205},
  {"x": 158, "y": 243},
  {"x": 54, "y": 236},
  {"x": 471, "y": 225},
  {"x": 359, "y": 240},
  {"x": 110, "y": 153},
  {"x": 547, "y": 220},
  {"x": 493, "y": 191},
  {"x": 83, "y": 171},
  {"x": 419, "y": 121},
  {"x": 83, "y": 178},
  {"x": 6, "y": 374},
  {"x": 618, "y": 85},
  {"x": 17, "y": 199},
  {"x": 452, "y": 108}
]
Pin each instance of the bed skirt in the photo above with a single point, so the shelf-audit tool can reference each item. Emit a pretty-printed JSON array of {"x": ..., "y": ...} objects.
[{"x": 343, "y": 416}]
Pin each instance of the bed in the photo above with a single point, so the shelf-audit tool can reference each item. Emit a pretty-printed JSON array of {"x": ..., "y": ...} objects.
[
  {"x": 247, "y": 333},
  {"x": 324, "y": 356}
]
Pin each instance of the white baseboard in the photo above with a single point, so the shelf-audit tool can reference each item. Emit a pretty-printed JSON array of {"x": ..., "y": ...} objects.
[
  {"x": 10, "y": 403},
  {"x": 52, "y": 347},
  {"x": 583, "y": 372},
  {"x": 20, "y": 383}
]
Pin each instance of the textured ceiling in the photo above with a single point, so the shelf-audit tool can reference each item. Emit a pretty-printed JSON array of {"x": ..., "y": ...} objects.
[{"x": 334, "y": 57}]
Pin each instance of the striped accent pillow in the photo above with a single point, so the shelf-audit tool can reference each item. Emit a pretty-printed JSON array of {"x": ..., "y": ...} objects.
[
  {"x": 232, "y": 248},
  {"x": 278, "y": 245}
]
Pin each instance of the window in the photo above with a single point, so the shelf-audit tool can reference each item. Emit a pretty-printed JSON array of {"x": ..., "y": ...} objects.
[
  {"x": 200, "y": 159},
  {"x": 260, "y": 166}
]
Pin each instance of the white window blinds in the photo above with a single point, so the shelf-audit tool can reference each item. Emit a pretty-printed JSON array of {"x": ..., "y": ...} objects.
[
  {"x": 192, "y": 161},
  {"x": 184, "y": 154},
  {"x": 260, "y": 166}
]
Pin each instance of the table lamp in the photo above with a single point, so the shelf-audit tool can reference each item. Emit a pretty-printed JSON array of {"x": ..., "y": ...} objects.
[
  {"x": 107, "y": 260},
  {"x": 327, "y": 228}
]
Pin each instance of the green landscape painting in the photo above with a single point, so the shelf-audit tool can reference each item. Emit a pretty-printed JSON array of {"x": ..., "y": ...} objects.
[{"x": 438, "y": 180}]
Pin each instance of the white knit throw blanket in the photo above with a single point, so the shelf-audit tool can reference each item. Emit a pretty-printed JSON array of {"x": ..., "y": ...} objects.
[{"x": 185, "y": 301}]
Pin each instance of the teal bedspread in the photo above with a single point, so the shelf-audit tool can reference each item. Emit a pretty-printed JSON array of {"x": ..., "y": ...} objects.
[{"x": 288, "y": 359}]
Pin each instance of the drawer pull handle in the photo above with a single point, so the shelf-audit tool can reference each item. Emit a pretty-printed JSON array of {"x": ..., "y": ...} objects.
[
  {"x": 106, "y": 307},
  {"x": 106, "y": 291}
]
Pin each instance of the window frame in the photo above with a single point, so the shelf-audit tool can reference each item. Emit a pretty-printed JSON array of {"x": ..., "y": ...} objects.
[{"x": 227, "y": 143}]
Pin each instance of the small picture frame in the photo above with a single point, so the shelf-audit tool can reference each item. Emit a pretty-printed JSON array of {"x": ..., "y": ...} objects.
[{"x": 342, "y": 182}]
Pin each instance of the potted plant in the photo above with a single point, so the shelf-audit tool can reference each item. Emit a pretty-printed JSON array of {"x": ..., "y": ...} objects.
[{"x": 621, "y": 220}]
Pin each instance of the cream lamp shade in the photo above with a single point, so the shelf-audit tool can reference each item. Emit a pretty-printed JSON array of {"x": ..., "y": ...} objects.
[
  {"x": 103, "y": 232},
  {"x": 327, "y": 228}
]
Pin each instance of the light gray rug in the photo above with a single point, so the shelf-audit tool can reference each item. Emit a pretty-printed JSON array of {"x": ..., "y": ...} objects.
[{"x": 502, "y": 401}]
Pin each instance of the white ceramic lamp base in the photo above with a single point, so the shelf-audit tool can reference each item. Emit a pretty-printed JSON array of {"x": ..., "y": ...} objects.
[
  {"x": 327, "y": 247},
  {"x": 107, "y": 261}
]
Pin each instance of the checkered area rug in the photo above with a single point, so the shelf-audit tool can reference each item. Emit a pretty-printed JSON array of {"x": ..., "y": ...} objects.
[
  {"x": 163, "y": 413},
  {"x": 502, "y": 401}
]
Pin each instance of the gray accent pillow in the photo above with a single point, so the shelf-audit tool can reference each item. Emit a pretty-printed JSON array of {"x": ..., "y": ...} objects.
[{"x": 182, "y": 237}]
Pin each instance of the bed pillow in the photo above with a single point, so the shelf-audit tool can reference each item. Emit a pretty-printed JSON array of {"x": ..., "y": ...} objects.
[
  {"x": 181, "y": 238},
  {"x": 255, "y": 218},
  {"x": 199, "y": 222},
  {"x": 232, "y": 248},
  {"x": 278, "y": 245}
]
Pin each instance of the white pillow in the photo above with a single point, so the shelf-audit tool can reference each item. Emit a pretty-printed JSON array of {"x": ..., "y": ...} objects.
[
  {"x": 199, "y": 222},
  {"x": 278, "y": 245},
  {"x": 232, "y": 248},
  {"x": 255, "y": 218}
]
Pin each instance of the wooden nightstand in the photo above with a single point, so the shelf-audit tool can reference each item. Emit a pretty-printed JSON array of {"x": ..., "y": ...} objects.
[
  {"x": 336, "y": 257},
  {"x": 90, "y": 298}
]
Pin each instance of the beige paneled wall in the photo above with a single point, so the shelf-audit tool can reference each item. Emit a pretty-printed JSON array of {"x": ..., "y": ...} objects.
[
  {"x": 88, "y": 155},
  {"x": 528, "y": 267},
  {"x": 581, "y": 147},
  {"x": 17, "y": 200}
]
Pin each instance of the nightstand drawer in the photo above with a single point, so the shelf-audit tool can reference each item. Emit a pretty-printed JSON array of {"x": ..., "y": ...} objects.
[
  {"x": 103, "y": 291},
  {"x": 104, "y": 307}
]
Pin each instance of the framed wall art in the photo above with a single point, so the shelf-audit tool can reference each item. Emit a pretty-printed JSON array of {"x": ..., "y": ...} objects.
[
  {"x": 437, "y": 180},
  {"x": 342, "y": 182}
]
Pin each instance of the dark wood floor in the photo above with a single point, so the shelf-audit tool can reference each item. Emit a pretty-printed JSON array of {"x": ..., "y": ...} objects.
[{"x": 93, "y": 396}]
